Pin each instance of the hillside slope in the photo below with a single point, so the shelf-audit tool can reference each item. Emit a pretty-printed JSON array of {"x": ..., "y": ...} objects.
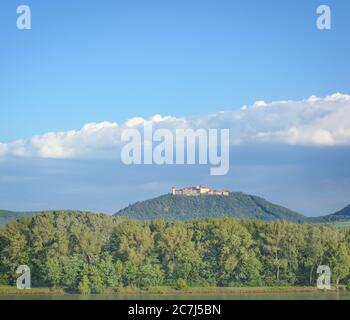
[
  {"x": 237, "y": 204},
  {"x": 339, "y": 216},
  {"x": 345, "y": 212}
]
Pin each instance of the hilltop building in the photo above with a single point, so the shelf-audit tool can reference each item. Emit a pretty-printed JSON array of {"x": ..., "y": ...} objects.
[{"x": 197, "y": 191}]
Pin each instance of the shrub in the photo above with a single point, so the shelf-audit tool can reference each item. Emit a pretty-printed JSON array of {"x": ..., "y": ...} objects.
[
  {"x": 84, "y": 285},
  {"x": 181, "y": 284},
  {"x": 348, "y": 285},
  {"x": 151, "y": 276}
]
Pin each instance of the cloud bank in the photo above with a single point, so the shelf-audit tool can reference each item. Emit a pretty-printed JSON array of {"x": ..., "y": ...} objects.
[{"x": 311, "y": 122}]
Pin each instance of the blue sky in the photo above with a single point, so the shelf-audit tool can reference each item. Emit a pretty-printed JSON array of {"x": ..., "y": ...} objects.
[
  {"x": 94, "y": 61},
  {"x": 89, "y": 61}
]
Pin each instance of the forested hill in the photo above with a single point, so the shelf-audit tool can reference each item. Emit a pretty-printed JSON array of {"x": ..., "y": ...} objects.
[
  {"x": 341, "y": 215},
  {"x": 237, "y": 204}
]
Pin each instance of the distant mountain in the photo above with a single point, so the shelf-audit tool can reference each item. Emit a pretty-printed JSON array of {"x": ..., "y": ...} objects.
[
  {"x": 341, "y": 215},
  {"x": 8, "y": 216},
  {"x": 237, "y": 204},
  {"x": 345, "y": 212}
]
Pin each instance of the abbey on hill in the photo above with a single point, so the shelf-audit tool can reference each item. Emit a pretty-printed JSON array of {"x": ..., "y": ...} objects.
[{"x": 198, "y": 190}]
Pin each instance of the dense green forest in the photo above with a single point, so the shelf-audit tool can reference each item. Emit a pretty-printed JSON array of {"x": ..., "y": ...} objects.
[{"x": 85, "y": 252}]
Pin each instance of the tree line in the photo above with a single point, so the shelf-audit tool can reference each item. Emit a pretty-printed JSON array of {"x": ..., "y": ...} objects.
[{"x": 86, "y": 252}]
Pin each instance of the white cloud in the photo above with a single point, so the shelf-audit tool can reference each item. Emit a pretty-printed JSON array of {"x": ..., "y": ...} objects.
[
  {"x": 3, "y": 149},
  {"x": 312, "y": 121}
]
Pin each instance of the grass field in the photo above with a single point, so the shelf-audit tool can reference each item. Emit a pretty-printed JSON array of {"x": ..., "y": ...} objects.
[{"x": 7, "y": 290}]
